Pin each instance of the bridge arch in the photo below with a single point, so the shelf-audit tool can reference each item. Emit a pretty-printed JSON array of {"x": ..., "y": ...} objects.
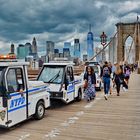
[
  {"x": 125, "y": 30},
  {"x": 129, "y": 50}
]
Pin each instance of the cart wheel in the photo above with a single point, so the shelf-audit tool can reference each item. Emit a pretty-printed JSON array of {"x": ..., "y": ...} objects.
[{"x": 40, "y": 111}]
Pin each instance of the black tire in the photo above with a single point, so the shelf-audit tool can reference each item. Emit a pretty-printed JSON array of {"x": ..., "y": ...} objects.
[
  {"x": 40, "y": 111},
  {"x": 79, "y": 97}
]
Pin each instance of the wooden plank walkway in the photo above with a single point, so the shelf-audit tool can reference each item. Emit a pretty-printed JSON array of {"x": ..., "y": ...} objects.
[{"x": 118, "y": 118}]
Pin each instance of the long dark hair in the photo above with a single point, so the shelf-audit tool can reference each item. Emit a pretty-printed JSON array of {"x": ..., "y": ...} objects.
[{"x": 92, "y": 70}]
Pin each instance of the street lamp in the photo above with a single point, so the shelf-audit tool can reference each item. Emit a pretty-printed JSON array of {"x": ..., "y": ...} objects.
[{"x": 103, "y": 38}]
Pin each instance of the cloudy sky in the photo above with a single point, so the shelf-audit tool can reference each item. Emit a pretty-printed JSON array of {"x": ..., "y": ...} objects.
[{"x": 61, "y": 20}]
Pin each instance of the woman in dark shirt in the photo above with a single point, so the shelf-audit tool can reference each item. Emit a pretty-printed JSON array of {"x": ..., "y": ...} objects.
[{"x": 90, "y": 79}]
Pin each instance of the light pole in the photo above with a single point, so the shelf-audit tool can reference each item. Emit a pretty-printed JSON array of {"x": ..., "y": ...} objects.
[{"x": 103, "y": 38}]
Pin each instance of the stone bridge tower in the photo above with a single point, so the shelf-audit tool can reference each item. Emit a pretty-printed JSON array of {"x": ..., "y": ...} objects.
[{"x": 125, "y": 30}]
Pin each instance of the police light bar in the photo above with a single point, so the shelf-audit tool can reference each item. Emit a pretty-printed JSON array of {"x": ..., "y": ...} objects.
[{"x": 8, "y": 58}]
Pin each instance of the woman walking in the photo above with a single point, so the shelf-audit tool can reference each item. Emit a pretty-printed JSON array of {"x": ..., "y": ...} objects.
[
  {"x": 127, "y": 73},
  {"x": 90, "y": 82},
  {"x": 118, "y": 78}
]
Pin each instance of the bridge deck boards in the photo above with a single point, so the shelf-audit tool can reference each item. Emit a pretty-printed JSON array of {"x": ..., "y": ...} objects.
[{"x": 114, "y": 119}]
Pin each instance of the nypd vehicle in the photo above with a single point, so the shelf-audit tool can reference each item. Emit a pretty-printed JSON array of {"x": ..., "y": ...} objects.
[
  {"x": 61, "y": 82},
  {"x": 19, "y": 98}
]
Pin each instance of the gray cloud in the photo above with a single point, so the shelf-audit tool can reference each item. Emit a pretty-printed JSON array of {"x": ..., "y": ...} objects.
[{"x": 61, "y": 20}]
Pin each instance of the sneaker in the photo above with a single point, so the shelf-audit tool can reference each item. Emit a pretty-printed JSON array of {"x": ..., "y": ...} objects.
[
  {"x": 124, "y": 89},
  {"x": 88, "y": 99},
  {"x": 105, "y": 96},
  {"x": 118, "y": 94},
  {"x": 114, "y": 85}
]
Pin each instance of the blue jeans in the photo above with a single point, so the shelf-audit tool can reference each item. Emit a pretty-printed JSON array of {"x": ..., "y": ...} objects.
[{"x": 106, "y": 84}]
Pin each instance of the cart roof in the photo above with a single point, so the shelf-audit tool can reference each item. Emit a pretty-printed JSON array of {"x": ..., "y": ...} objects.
[
  {"x": 58, "y": 64},
  {"x": 4, "y": 64}
]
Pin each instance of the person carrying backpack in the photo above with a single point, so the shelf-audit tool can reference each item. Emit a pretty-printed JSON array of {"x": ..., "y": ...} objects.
[
  {"x": 127, "y": 73},
  {"x": 105, "y": 74}
]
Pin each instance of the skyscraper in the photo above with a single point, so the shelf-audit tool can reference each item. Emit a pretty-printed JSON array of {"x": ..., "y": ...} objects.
[
  {"x": 34, "y": 49},
  {"x": 28, "y": 47},
  {"x": 50, "y": 49},
  {"x": 21, "y": 53},
  {"x": 77, "y": 48},
  {"x": 66, "y": 52},
  {"x": 23, "y": 50},
  {"x": 34, "y": 46},
  {"x": 56, "y": 52},
  {"x": 90, "y": 46},
  {"x": 12, "y": 49}
]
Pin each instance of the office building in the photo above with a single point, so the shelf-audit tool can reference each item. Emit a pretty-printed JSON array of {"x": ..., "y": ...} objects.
[
  {"x": 28, "y": 47},
  {"x": 50, "y": 49},
  {"x": 34, "y": 49},
  {"x": 68, "y": 45},
  {"x": 12, "y": 49},
  {"x": 34, "y": 46},
  {"x": 90, "y": 46},
  {"x": 56, "y": 52},
  {"x": 77, "y": 53},
  {"x": 61, "y": 55},
  {"x": 21, "y": 53},
  {"x": 66, "y": 52}
]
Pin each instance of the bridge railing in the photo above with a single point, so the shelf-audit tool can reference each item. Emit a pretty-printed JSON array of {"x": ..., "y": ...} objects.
[{"x": 33, "y": 73}]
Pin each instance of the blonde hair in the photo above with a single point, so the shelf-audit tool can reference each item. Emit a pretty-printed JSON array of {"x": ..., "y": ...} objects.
[{"x": 118, "y": 69}]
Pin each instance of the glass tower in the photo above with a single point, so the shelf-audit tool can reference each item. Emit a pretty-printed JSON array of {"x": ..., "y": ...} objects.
[
  {"x": 90, "y": 46},
  {"x": 77, "y": 48}
]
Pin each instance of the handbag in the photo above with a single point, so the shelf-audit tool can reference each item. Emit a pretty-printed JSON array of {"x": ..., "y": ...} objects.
[
  {"x": 85, "y": 84},
  {"x": 120, "y": 80}
]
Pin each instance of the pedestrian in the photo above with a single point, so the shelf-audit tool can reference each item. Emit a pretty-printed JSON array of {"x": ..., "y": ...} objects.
[
  {"x": 105, "y": 74},
  {"x": 90, "y": 82},
  {"x": 118, "y": 78},
  {"x": 127, "y": 72},
  {"x": 113, "y": 71},
  {"x": 132, "y": 67},
  {"x": 111, "y": 76},
  {"x": 124, "y": 85}
]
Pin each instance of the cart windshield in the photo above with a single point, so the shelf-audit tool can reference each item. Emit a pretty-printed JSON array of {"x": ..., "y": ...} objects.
[{"x": 52, "y": 74}]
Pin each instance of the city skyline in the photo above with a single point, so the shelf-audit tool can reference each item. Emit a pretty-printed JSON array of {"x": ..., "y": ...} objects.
[{"x": 58, "y": 22}]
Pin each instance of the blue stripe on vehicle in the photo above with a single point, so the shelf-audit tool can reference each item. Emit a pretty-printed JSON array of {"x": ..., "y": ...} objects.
[
  {"x": 70, "y": 91},
  {"x": 29, "y": 91},
  {"x": 19, "y": 107}
]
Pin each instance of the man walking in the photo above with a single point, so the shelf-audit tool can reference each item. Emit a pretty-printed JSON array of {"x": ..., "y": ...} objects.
[{"x": 105, "y": 74}]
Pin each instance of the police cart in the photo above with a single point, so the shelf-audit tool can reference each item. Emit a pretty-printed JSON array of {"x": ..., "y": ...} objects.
[
  {"x": 61, "y": 82},
  {"x": 19, "y": 98}
]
